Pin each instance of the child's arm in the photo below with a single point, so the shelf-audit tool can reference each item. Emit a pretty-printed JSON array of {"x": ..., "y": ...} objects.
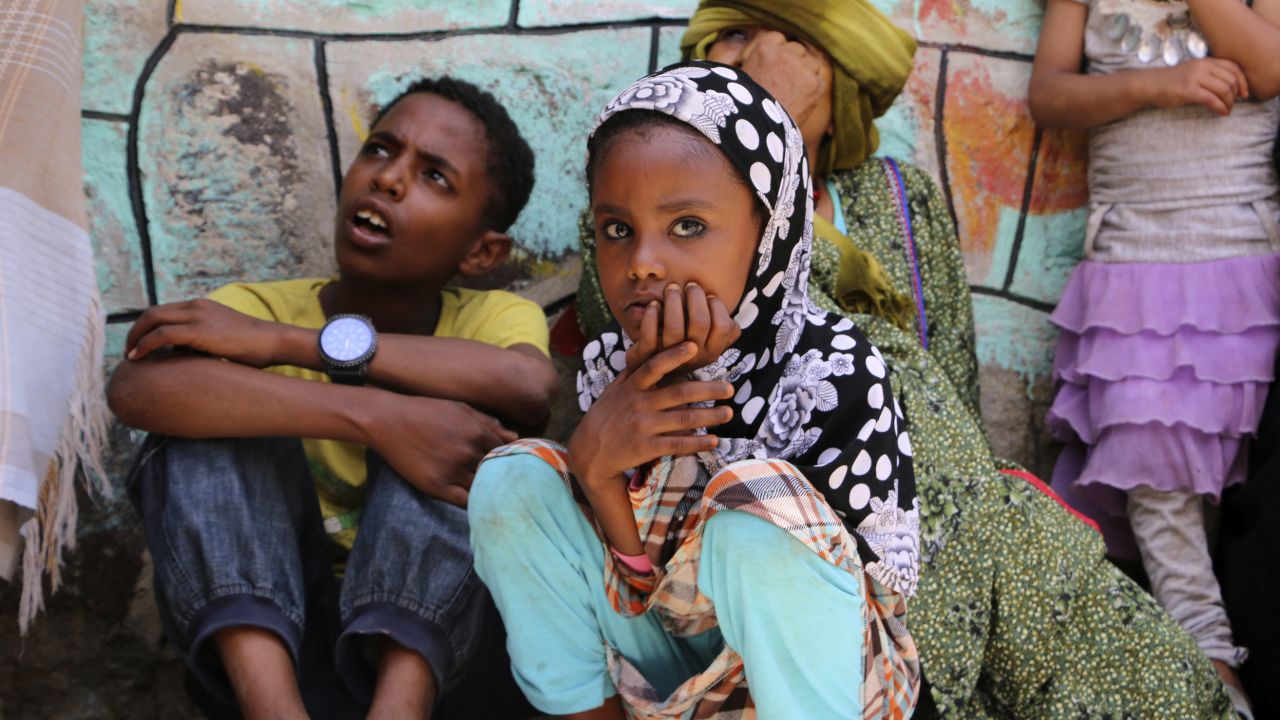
[
  {"x": 434, "y": 444},
  {"x": 515, "y": 384},
  {"x": 1061, "y": 96},
  {"x": 1250, "y": 37},
  {"x": 635, "y": 421},
  {"x": 649, "y": 409}
]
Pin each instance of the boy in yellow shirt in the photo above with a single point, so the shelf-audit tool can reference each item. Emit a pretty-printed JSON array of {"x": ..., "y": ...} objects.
[{"x": 382, "y": 392}]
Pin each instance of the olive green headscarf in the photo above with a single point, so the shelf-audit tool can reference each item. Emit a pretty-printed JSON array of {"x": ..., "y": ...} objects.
[{"x": 871, "y": 59}]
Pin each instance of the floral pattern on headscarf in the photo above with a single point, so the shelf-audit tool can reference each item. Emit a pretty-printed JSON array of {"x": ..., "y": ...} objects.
[{"x": 810, "y": 388}]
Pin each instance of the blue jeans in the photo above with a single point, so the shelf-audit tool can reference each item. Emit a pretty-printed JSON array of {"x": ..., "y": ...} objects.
[{"x": 236, "y": 537}]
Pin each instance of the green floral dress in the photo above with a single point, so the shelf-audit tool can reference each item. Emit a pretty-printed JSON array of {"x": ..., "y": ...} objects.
[{"x": 1018, "y": 613}]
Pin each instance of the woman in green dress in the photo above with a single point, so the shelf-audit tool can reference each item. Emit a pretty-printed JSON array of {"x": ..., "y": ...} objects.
[{"x": 1018, "y": 614}]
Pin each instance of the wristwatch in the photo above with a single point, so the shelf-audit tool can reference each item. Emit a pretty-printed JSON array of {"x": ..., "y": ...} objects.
[{"x": 347, "y": 344}]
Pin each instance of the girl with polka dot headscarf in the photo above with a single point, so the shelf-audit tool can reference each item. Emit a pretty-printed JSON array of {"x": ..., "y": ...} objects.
[{"x": 733, "y": 526}]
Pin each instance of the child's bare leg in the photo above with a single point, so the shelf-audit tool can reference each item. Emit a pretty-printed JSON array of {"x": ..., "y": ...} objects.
[
  {"x": 610, "y": 710},
  {"x": 261, "y": 673},
  {"x": 406, "y": 685}
]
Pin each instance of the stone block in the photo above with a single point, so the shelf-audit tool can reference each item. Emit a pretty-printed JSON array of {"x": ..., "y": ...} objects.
[
  {"x": 989, "y": 136},
  {"x": 96, "y": 652},
  {"x": 1013, "y": 414},
  {"x": 1051, "y": 249},
  {"x": 1053, "y": 241},
  {"x": 535, "y": 13},
  {"x": 553, "y": 86},
  {"x": 668, "y": 46},
  {"x": 114, "y": 351},
  {"x": 116, "y": 244},
  {"x": 1013, "y": 336},
  {"x": 118, "y": 37},
  {"x": 1005, "y": 25},
  {"x": 342, "y": 17},
  {"x": 907, "y": 130},
  {"x": 237, "y": 179}
]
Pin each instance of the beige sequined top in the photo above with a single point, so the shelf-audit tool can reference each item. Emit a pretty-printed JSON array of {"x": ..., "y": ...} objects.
[{"x": 1177, "y": 185}]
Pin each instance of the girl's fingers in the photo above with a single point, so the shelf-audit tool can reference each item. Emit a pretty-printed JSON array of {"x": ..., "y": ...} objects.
[
  {"x": 691, "y": 392},
  {"x": 683, "y": 444},
  {"x": 672, "y": 316},
  {"x": 1242, "y": 82},
  {"x": 724, "y": 331},
  {"x": 648, "y": 342},
  {"x": 1230, "y": 74},
  {"x": 698, "y": 323},
  {"x": 658, "y": 366},
  {"x": 1212, "y": 101},
  {"x": 679, "y": 421},
  {"x": 1222, "y": 92}
]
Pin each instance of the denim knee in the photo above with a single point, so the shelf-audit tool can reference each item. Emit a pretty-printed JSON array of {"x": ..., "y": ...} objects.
[
  {"x": 235, "y": 536},
  {"x": 410, "y": 576}
]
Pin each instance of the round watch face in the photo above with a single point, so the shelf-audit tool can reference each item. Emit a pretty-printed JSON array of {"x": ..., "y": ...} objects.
[{"x": 346, "y": 339}]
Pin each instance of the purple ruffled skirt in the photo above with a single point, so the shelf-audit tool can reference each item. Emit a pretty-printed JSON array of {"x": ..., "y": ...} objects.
[{"x": 1162, "y": 371}]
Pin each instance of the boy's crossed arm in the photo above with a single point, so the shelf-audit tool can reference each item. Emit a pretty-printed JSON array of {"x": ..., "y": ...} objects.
[
  {"x": 425, "y": 424},
  {"x": 514, "y": 384}
]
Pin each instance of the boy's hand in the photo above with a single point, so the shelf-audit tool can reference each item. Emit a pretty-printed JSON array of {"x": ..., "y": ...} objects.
[
  {"x": 688, "y": 316},
  {"x": 434, "y": 444},
  {"x": 635, "y": 420},
  {"x": 208, "y": 327},
  {"x": 1212, "y": 82}
]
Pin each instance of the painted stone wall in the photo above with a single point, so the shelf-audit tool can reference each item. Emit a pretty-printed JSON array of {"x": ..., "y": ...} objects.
[{"x": 215, "y": 132}]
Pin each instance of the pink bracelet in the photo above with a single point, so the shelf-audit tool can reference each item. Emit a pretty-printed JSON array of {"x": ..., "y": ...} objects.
[{"x": 638, "y": 564}]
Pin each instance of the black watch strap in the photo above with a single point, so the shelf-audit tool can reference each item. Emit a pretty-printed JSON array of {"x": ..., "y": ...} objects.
[{"x": 347, "y": 375}]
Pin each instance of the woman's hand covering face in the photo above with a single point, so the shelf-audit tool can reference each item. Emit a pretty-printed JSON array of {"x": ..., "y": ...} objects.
[{"x": 796, "y": 74}]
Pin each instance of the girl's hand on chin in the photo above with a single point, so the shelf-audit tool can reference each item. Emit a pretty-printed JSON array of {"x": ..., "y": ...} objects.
[
  {"x": 688, "y": 316},
  {"x": 637, "y": 420}
]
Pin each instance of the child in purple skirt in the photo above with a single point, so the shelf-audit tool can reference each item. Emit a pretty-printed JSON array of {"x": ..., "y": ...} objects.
[{"x": 1170, "y": 324}]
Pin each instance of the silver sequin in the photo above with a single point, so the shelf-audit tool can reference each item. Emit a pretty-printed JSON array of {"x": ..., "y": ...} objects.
[
  {"x": 1172, "y": 53},
  {"x": 1147, "y": 49},
  {"x": 1196, "y": 46},
  {"x": 1131, "y": 38},
  {"x": 1117, "y": 25}
]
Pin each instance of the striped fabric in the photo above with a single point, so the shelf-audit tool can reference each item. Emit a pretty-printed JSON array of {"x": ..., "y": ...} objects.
[
  {"x": 52, "y": 415},
  {"x": 671, "y": 509}
]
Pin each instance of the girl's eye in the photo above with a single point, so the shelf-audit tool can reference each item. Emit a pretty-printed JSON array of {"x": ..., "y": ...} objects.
[
  {"x": 616, "y": 230},
  {"x": 376, "y": 150},
  {"x": 438, "y": 178},
  {"x": 733, "y": 35},
  {"x": 687, "y": 228}
]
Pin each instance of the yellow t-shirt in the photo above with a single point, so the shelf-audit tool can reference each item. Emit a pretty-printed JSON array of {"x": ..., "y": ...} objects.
[{"x": 493, "y": 317}]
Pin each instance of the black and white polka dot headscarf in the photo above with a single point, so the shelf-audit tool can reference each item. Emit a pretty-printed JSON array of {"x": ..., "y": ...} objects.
[{"x": 810, "y": 388}]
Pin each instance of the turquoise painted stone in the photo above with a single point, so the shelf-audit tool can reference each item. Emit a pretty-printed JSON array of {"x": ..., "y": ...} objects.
[
  {"x": 116, "y": 245},
  {"x": 118, "y": 37},
  {"x": 1051, "y": 248},
  {"x": 233, "y": 150},
  {"x": 346, "y": 17},
  {"x": 565, "y": 12},
  {"x": 1014, "y": 337}
]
